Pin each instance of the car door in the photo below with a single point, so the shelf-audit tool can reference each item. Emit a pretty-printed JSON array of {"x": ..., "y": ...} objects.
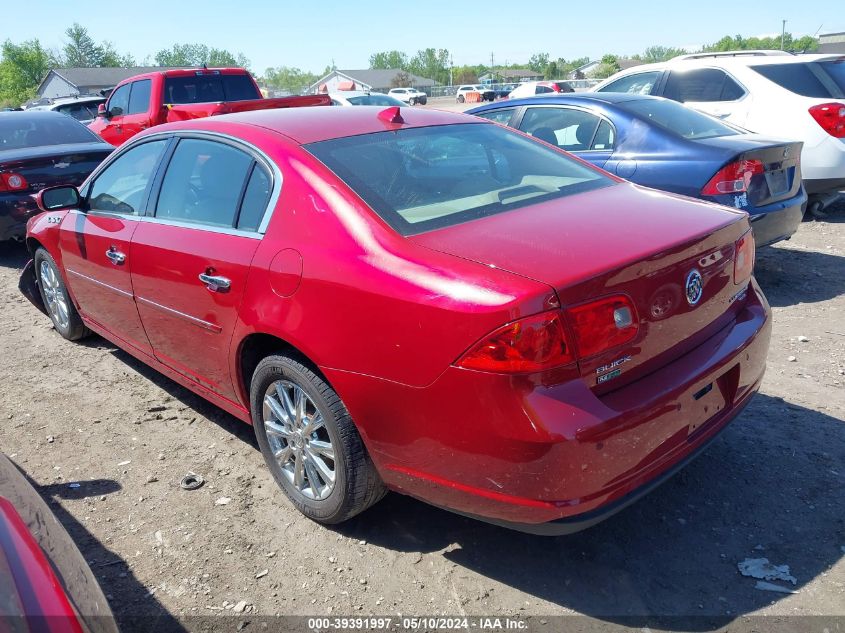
[
  {"x": 95, "y": 241},
  {"x": 111, "y": 127},
  {"x": 709, "y": 90},
  {"x": 192, "y": 259},
  {"x": 137, "y": 117},
  {"x": 586, "y": 134}
]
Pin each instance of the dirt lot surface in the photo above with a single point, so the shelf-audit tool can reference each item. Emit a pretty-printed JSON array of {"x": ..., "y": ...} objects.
[{"x": 772, "y": 486}]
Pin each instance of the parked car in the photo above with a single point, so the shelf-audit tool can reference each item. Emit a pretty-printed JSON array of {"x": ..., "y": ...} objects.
[
  {"x": 47, "y": 585},
  {"x": 37, "y": 150},
  {"x": 662, "y": 144},
  {"x": 363, "y": 97},
  {"x": 83, "y": 109},
  {"x": 531, "y": 88},
  {"x": 503, "y": 90},
  {"x": 150, "y": 99},
  {"x": 410, "y": 96},
  {"x": 769, "y": 92},
  {"x": 485, "y": 93},
  {"x": 460, "y": 264}
]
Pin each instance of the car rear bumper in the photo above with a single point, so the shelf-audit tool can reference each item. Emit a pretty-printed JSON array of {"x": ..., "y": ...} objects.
[
  {"x": 778, "y": 221},
  {"x": 523, "y": 454},
  {"x": 15, "y": 210}
]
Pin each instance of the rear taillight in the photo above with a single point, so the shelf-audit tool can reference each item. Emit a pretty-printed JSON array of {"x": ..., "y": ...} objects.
[
  {"x": 542, "y": 342},
  {"x": 535, "y": 343},
  {"x": 11, "y": 181},
  {"x": 733, "y": 178},
  {"x": 603, "y": 324},
  {"x": 744, "y": 258},
  {"x": 831, "y": 117}
]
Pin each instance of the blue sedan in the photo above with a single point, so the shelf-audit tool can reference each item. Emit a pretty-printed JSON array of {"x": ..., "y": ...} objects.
[{"x": 662, "y": 144}]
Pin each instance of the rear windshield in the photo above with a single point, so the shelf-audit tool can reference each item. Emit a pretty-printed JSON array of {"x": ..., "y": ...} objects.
[
  {"x": 422, "y": 179},
  {"x": 19, "y": 130},
  {"x": 821, "y": 80},
  {"x": 677, "y": 118},
  {"x": 209, "y": 88}
]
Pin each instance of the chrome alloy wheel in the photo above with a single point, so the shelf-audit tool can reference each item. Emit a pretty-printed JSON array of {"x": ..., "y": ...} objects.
[
  {"x": 56, "y": 300},
  {"x": 299, "y": 440}
]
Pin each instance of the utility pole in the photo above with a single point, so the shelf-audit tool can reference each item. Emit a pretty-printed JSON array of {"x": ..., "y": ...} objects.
[
  {"x": 492, "y": 68},
  {"x": 782, "y": 34},
  {"x": 451, "y": 67}
]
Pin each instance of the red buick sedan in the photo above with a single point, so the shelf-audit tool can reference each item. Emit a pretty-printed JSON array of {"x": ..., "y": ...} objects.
[{"x": 418, "y": 301}]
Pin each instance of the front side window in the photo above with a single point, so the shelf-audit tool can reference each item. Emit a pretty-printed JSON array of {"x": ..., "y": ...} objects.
[
  {"x": 678, "y": 119},
  {"x": 122, "y": 186},
  {"x": 119, "y": 101},
  {"x": 569, "y": 129},
  {"x": 421, "y": 179},
  {"x": 139, "y": 98},
  {"x": 702, "y": 85},
  {"x": 502, "y": 115},
  {"x": 204, "y": 183},
  {"x": 638, "y": 83}
]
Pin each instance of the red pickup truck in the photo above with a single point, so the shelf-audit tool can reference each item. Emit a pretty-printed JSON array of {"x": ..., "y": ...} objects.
[{"x": 163, "y": 96}]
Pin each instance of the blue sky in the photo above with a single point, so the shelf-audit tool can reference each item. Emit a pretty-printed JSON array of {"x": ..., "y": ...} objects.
[{"x": 309, "y": 35}]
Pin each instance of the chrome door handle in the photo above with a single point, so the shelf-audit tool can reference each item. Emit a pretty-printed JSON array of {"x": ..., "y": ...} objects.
[
  {"x": 115, "y": 256},
  {"x": 215, "y": 283}
]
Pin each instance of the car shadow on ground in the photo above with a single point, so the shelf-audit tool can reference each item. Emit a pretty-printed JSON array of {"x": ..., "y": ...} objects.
[
  {"x": 13, "y": 254},
  {"x": 790, "y": 276},
  {"x": 142, "y": 612},
  {"x": 769, "y": 487}
]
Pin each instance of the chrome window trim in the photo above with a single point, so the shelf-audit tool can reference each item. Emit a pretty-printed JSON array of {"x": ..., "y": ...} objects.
[
  {"x": 224, "y": 230},
  {"x": 262, "y": 157}
]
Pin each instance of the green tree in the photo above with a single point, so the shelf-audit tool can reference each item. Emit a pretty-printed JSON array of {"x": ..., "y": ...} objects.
[
  {"x": 538, "y": 62},
  {"x": 401, "y": 80},
  {"x": 22, "y": 68},
  {"x": 740, "y": 43},
  {"x": 431, "y": 63},
  {"x": 660, "y": 54},
  {"x": 292, "y": 80},
  {"x": 609, "y": 65},
  {"x": 199, "y": 54},
  {"x": 552, "y": 71},
  {"x": 81, "y": 51},
  {"x": 389, "y": 59}
]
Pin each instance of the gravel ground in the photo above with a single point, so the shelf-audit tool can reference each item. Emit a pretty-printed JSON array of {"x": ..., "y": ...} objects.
[{"x": 770, "y": 487}]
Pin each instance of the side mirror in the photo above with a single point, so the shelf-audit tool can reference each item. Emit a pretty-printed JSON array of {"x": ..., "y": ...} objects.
[
  {"x": 102, "y": 112},
  {"x": 58, "y": 198}
]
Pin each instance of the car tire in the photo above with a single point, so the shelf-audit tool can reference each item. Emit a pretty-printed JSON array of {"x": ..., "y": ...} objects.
[
  {"x": 412, "y": 101},
  {"x": 461, "y": 99},
  {"x": 294, "y": 456},
  {"x": 54, "y": 294},
  {"x": 423, "y": 100}
]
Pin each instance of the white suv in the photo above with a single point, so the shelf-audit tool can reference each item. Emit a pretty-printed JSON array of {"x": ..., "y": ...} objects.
[
  {"x": 770, "y": 92},
  {"x": 411, "y": 96}
]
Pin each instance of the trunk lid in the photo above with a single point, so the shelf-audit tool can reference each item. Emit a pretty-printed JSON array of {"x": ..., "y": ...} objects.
[
  {"x": 622, "y": 239},
  {"x": 48, "y": 165},
  {"x": 781, "y": 177}
]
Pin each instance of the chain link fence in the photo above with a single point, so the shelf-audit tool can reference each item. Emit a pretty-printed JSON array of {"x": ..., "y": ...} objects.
[{"x": 578, "y": 85}]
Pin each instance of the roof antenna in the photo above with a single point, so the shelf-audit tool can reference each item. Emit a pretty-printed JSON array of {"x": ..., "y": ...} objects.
[{"x": 391, "y": 115}]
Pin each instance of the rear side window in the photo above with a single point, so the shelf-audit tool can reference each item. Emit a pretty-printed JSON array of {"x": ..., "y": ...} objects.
[
  {"x": 678, "y": 119},
  {"x": 541, "y": 89},
  {"x": 203, "y": 183},
  {"x": 80, "y": 111},
  {"x": 702, "y": 85},
  {"x": 421, "y": 179},
  {"x": 821, "y": 80},
  {"x": 570, "y": 129},
  {"x": 639, "y": 83},
  {"x": 139, "y": 98},
  {"x": 209, "y": 89},
  {"x": 256, "y": 197}
]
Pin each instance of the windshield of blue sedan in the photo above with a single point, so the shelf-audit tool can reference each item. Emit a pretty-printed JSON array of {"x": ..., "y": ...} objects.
[
  {"x": 421, "y": 179},
  {"x": 678, "y": 118}
]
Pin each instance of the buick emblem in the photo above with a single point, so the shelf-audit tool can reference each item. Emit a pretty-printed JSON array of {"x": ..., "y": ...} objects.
[{"x": 694, "y": 287}]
